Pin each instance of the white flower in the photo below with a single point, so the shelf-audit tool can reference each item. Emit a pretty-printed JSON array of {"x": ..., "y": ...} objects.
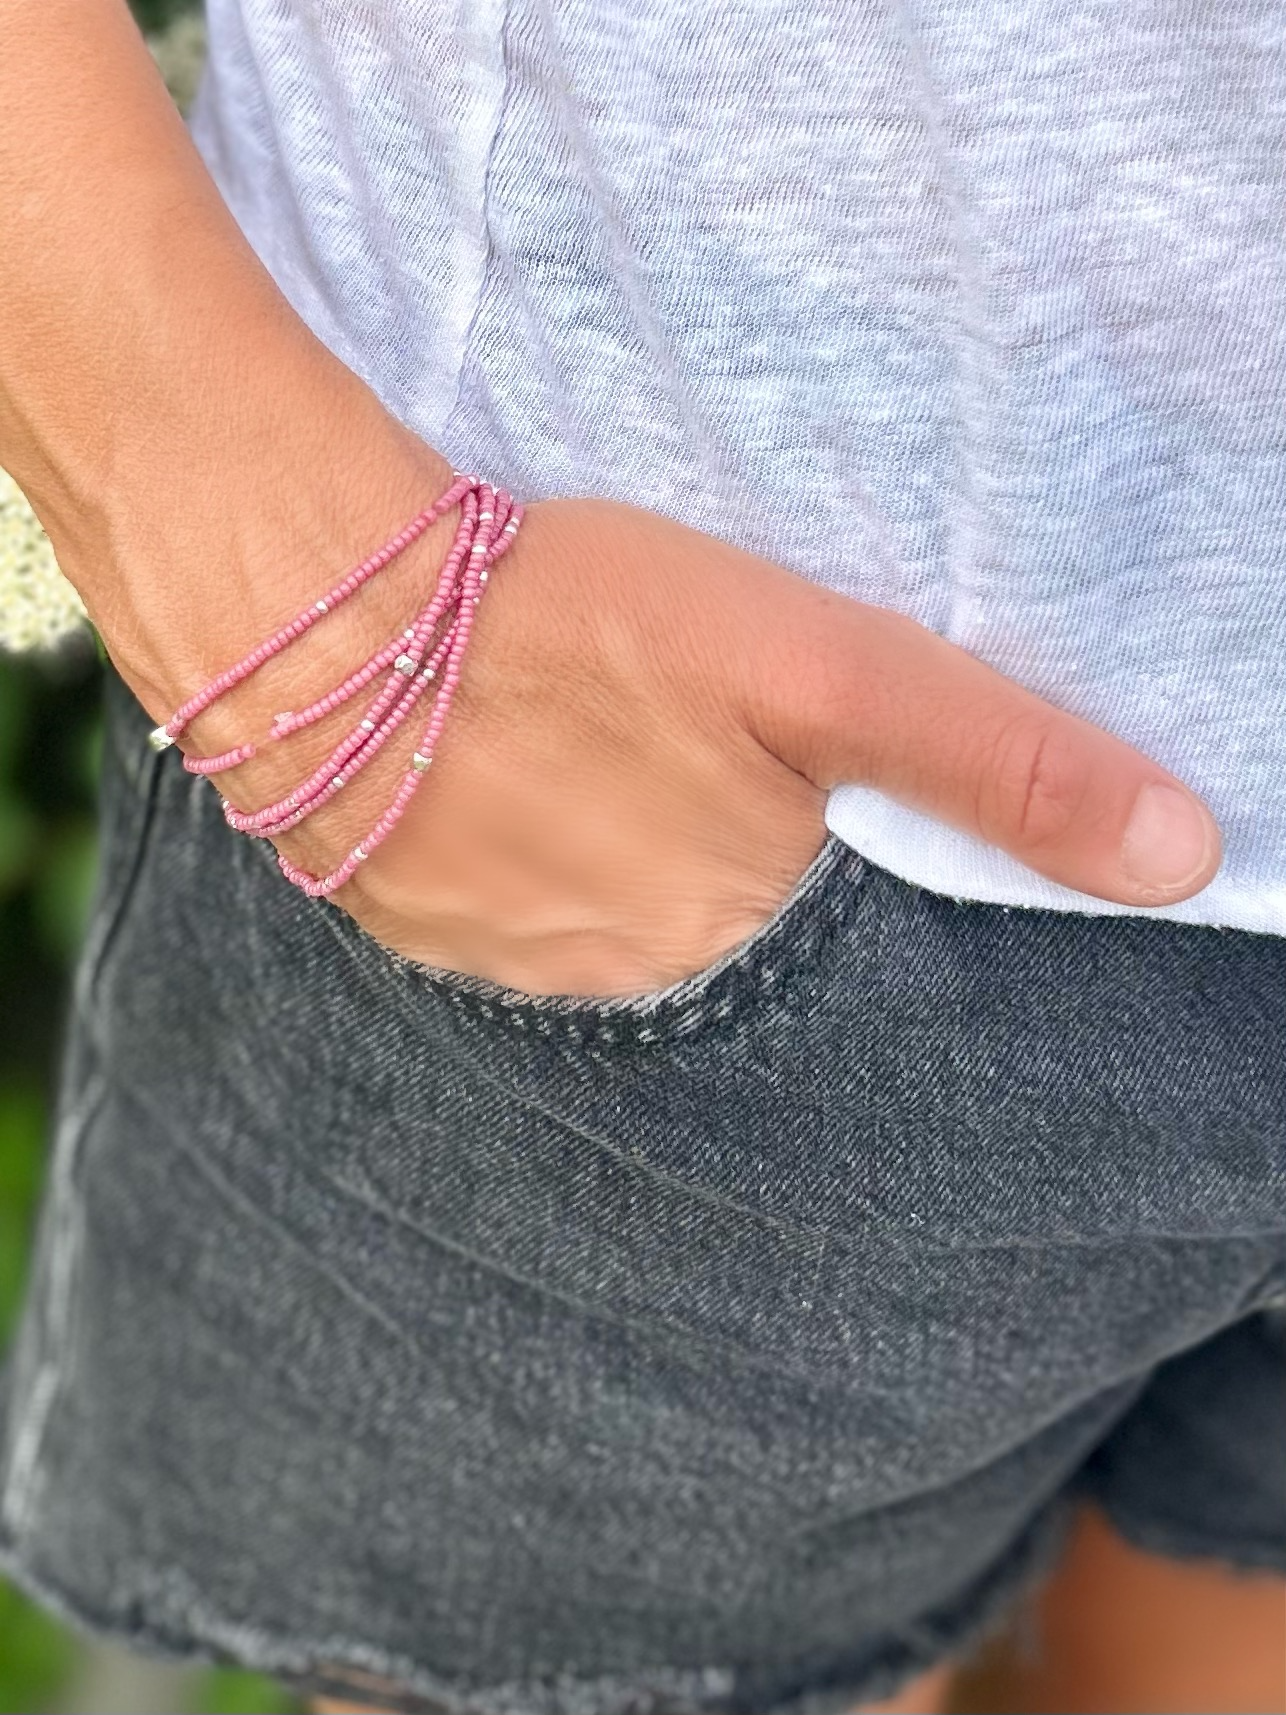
[{"x": 38, "y": 607}]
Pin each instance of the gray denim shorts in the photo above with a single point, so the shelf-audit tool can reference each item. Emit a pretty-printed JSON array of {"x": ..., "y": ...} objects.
[{"x": 741, "y": 1348}]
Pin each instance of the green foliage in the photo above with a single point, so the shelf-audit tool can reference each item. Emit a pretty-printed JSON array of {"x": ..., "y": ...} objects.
[
  {"x": 37, "y": 1657},
  {"x": 154, "y": 15},
  {"x": 225, "y": 1692},
  {"x": 48, "y": 738},
  {"x": 63, "y": 884},
  {"x": 22, "y": 1131},
  {"x": 18, "y": 827}
]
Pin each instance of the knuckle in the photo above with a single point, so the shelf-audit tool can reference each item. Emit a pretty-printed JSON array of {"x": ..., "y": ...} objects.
[{"x": 1036, "y": 786}]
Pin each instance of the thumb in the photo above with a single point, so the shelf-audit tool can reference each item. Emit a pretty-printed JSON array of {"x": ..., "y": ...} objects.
[{"x": 854, "y": 693}]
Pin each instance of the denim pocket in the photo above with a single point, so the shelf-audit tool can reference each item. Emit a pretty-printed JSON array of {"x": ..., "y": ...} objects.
[{"x": 763, "y": 966}]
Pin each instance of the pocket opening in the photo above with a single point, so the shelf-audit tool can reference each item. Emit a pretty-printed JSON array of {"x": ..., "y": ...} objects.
[{"x": 755, "y": 967}]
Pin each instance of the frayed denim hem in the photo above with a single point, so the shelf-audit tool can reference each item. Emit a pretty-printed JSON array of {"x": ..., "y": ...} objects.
[{"x": 344, "y": 1667}]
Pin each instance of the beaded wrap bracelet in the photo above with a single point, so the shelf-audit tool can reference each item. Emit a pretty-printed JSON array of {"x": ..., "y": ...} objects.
[{"x": 427, "y": 651}]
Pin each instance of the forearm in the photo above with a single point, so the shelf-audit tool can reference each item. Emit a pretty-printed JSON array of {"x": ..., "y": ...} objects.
[
  {"x": 128, "y": 299},
  {"x": 153, "y": 379}
]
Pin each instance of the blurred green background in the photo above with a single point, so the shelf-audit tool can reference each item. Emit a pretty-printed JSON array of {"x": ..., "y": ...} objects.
[{"x": 49, "y": 745}]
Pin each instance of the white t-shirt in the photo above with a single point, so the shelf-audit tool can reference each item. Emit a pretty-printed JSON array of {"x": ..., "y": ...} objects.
[{"x": 1006, "y": 278}]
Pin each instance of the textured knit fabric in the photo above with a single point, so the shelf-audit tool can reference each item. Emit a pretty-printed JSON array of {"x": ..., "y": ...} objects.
[
  {"x": 972, "y": 308},
  {"x": 733, "y": 1350}
]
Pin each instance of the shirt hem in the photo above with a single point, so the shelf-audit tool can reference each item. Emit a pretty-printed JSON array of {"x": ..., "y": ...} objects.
[{"x": 927, "y": 854}]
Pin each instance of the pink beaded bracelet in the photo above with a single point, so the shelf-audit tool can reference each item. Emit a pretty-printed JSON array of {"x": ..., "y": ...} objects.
[{"x": 429, "y": 650}]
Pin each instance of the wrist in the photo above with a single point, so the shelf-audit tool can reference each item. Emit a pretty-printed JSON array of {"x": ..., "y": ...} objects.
[
  {"x": 316, "y": 768},
  {"x": 296, "y": 668},
  {"x": 185, "y": 565}
]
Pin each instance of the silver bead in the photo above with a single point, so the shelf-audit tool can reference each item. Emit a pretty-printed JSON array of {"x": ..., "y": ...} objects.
[
  {"x": 159, "y": 739},
  {"x": 409, "y": 633},
  {"x": 368, "y": 726},
  {"x": 405, "y": 664},
  {"x": 359, "y": 854},
  {"x": 321, "y": 607},
  {"x": 420, "y": 762},
  {"x": 281, "y": 719},
  {"x": 338, "y": 780},
  {"x": 428, "y": 673},
  {"x": 483, "y": 575}
]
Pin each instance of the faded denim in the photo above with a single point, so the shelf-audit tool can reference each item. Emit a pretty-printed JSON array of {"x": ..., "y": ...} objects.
[{"x": 742, "y": 1348}]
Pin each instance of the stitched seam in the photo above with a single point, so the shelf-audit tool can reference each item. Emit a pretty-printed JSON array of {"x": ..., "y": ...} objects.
[{"x": 678, "y": 1009}]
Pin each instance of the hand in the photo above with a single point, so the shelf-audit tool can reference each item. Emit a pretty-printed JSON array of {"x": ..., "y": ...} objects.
[{"x": 634, "y": 771}]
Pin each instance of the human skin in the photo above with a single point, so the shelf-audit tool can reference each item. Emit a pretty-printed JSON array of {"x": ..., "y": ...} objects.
[
  {"x": 636, "y": 767},
  {"x": 635, "y": 771},
  {"x": 1117, "y": 1632},
  {"x": 924, "y": 1696}
]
